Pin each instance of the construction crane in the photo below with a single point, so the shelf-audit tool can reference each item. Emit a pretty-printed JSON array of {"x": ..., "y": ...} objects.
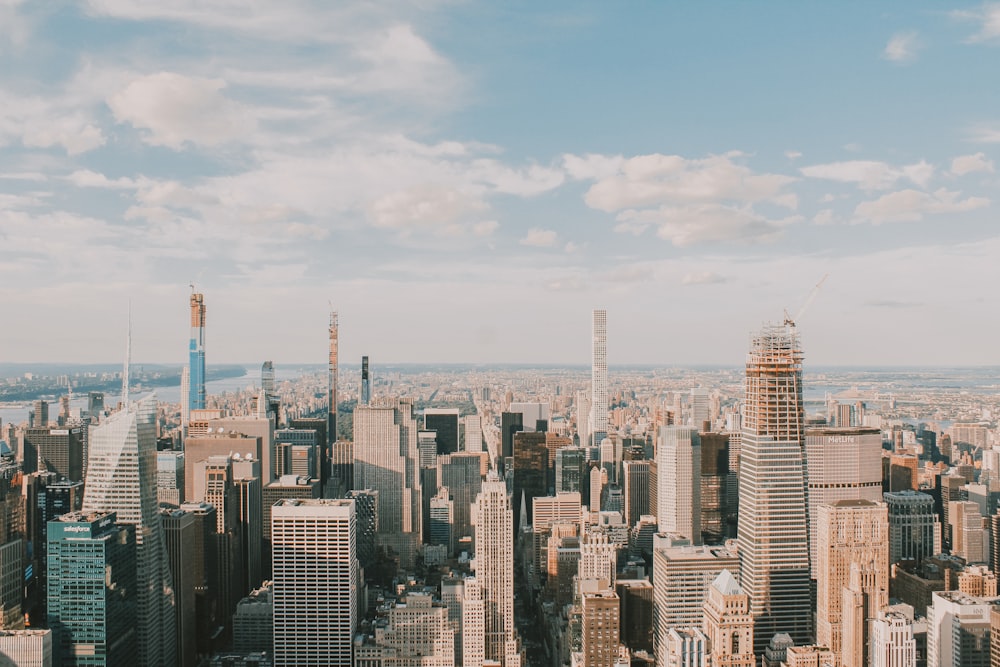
[{"x": 789, "y": 321}]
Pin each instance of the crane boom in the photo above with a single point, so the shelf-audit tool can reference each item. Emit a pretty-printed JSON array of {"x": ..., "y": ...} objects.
[{"x": 808, "y": 302}]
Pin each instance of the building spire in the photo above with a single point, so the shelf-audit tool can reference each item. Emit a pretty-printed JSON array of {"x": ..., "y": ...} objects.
[{"x": 128, "y": 359}]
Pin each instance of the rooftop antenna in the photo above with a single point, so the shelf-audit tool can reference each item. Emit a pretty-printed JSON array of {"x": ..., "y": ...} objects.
[
  {"x": 789, "y": 321},
  {"x": 128, "y": 359}
]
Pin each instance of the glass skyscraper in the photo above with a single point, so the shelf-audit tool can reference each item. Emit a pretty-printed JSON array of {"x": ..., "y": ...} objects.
[
  {"x": 92, "y": 589},
  {"x": 121, "y": 478},
  {"x": 196, "y": 354}
]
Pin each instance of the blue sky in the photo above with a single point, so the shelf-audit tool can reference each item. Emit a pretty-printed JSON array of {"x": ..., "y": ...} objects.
[{"x": 465, "y": 181}]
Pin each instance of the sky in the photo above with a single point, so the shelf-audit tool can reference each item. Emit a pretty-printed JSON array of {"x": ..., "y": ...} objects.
[{"x": 466, "y": 181}]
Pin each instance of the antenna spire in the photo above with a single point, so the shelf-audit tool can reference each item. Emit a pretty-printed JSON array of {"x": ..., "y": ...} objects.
[{"x": 128, "y": 359}]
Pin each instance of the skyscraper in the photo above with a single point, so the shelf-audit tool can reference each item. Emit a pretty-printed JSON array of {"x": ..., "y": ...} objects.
[
  {"x": 444, "y": 422},
  {"x": 494, "y": 565},
  {"x": 636, "y": 491},
  {"x": 773, "y": 535},
  {"x": 333, "y": 377},
  {"x": 121, "y": 478},
  {"x": 842, "y": 464},
  {"x": 92, "y": 589},
  {"x": 599, "y": 378},
  {"x": 678, "y": 474},
  {"x": 315, "y": 582},
  {"x": 852, "y": 541},
  {"x": 914, "y": 527},
  {"x": 196, "y": 354},
  {"x": 386, "y": 460},
  {"x": 727, "y": 623}
]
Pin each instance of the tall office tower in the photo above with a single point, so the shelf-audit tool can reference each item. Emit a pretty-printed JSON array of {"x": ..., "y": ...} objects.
[
  {"x": 914, "y": 527},
  {"x": 366, "y": 383},
  {"x": 958, "y": 630},
  {"x": 852, "y": 534},
  {"x": 460, "y": 473},
  {"x": 208, "y": 617},
  {"x": 472, "y": 425},
  {"x": 289, "y": 486},
  {"x": 681, "y": 578},
  {"x": 366, "y": 513},
  {"x": 315, "y": 582},
  {"x": 714, "y": 487},
  {"x": 246, "y": 481},
  {"x": 442, "y": 520},
  {"x": 40, "y": 414},
  {"x": 842, "y": 464},
  {"x": 967, "y": 534},
  {"x": 494, "y": 566},
  {"x": 571, "y": 469},
  {"x": 473, "y": 623},
  {"x": 170, "y": 477},
  {"x": 531, "y": 463},
  {"x": 636, "y": 491},
  {"x": 599, "y": 378},
  {"x": 386, "y": 460},
  {"x": 728, "y": 624},
  {"x": 121, "y": 478},
  {"x": 332, "y": 380},
  {"x": 58, "y": 450},
  {"x": 452, "y": 593},
  {"x": 599, "y": 623},
  {"x": 510, "y": 423},
  {"x": 597, "y": 480},
  {"x": 95, "y": 405},
  {"x": 179, "y": 534},
  {"x": 892, "y": 640},
  {"x": 444, "y": 421},
  {"x": 427, "y": 460},
  {"x": 700, "y": 412},
  {"x": 12, "y": 544},
  {"x": 636, "y": 614},
  {"x": 215, "y": 476},
  {"x": 92, "y": 589},
  {"x": 773, "y": 526},
  {"x": 341, "y": 469},
  {"x": 678, "y": 474},
  {"x": 196, "y": 354}
]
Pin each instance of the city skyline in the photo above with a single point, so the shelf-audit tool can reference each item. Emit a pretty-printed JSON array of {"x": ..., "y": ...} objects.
[{"x": 720, "y": 159}]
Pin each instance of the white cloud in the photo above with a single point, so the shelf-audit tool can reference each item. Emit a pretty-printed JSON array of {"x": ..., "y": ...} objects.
[
  {"x": 701, "y": 223},
  {"x": 902, "y": 47},
  {"x": 703, "y": 278},
  {"x": 428, "y": 207},
  {"x": 648, "y": 180},
  {"x": 984, "y": 134},
  {"x": 539, "y": 238},
  {"x": 913, "y": 205},
  {"x": 793, "y": 155},
  {"x": 824, "y": 217},
  {"x": 635, "y": 273},
  {"x": 969, "y": 164},
  {"x": 592, "y": 166},
  {"x": 988, "y": 19},
  {"x": 85, "y": 178},
  {"x": 177, "y": 109},
  {"x": 48, "y": 122},
  {"x": 870, "y": 174}
]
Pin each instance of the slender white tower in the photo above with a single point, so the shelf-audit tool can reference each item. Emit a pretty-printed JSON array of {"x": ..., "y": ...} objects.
[{"x": 599, "y": 378}]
